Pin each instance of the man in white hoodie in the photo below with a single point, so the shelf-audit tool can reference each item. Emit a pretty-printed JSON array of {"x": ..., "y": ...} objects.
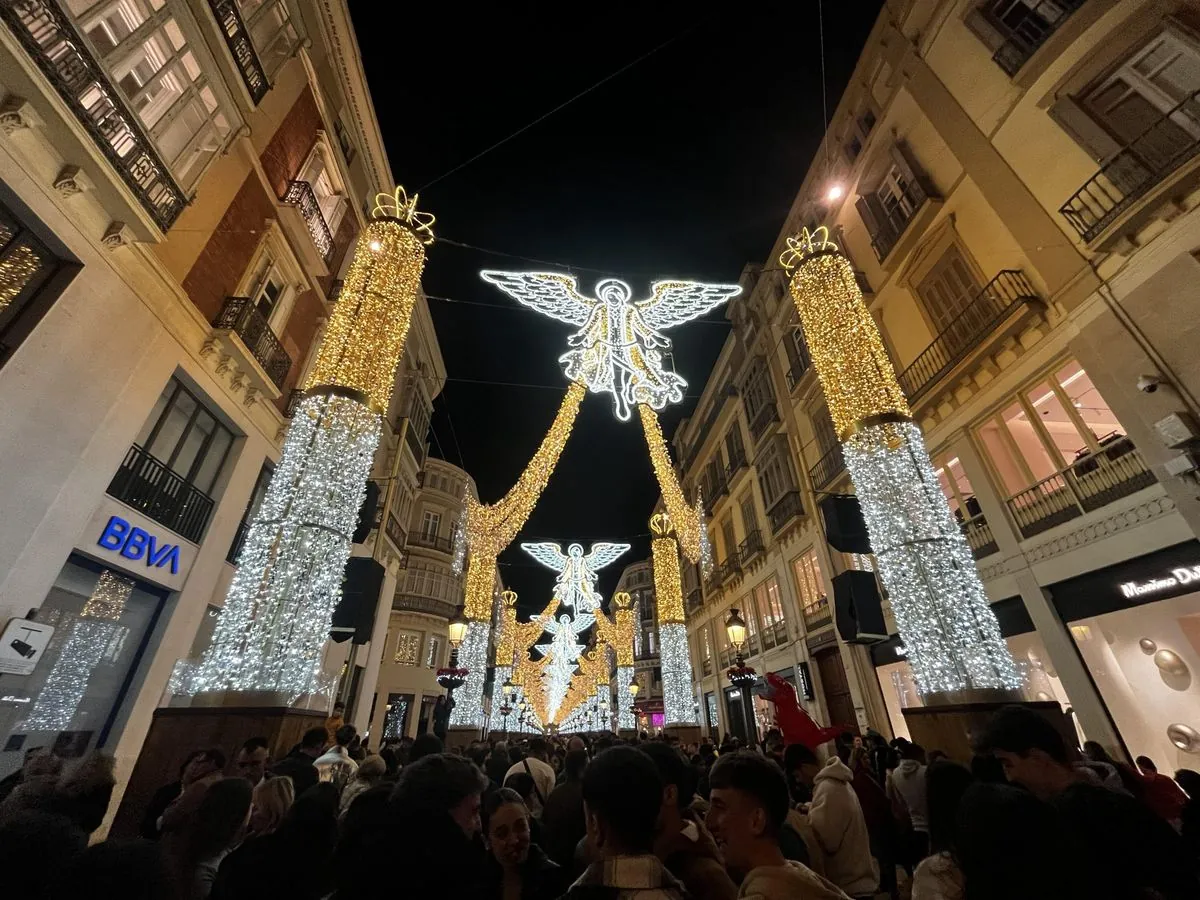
[
  {"x": 747, "y": 809},
  {"x": 837, "y": 820}
]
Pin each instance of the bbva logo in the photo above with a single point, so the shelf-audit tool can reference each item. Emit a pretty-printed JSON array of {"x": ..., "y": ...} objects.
[{"x": 137, "y": 543}]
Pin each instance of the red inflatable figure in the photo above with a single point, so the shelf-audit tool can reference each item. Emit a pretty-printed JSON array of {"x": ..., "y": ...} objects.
[{"x": 795, "y": 724}]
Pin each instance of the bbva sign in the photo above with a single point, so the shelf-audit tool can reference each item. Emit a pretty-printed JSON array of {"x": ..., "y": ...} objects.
[{"x": 135, "y": 543}]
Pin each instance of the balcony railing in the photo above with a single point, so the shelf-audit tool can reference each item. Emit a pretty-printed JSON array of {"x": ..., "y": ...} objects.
[
  {"x": 750, "y": 547},
  {"x": 395, "y": 532},
  {"x": 695, "y": 600},
  {"x": 730, "y": 567},
  {"x": 421, "y": 603},
  {"x": 983, "y": 315},
  {"x": 148, "y": 485},
  {"x": 800, "y": 360},
  {"x": 763, "y": 419},
  {"x": 719, "y": 487},
  {"x": 54, "y": 45},
  {"x": 817, "y": 614},
  {"x": 1023, "y": 36},
  {"x": 712, "y": 584},
  {"x": 1092, "y": 480},
  {"x": 737, "y": 462},
  {"x": 779, "y": 631},
  {"x": 242, "y": 48},
  {"x": 1149, "y": 158},
  {"x": 300, "y": 195},
  {"x": 431, "y": 541},
  {"x": 828, "y": 467},
  {"x": 241, "y": 316},
  {"x": 979, "y": 537},
  {"x": 894, "y": 221},
  {"x": 786, "y": 508},
  {"x": 294, "y": 399}
]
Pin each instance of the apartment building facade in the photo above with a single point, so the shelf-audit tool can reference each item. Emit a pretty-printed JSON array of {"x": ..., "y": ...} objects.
[
  {"x": 181, "y": 183},
  {"x": 1016, "y": 184}
]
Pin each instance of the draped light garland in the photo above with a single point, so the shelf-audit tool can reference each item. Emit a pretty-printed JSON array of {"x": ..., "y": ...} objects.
[
  {"x": 689, "y": 521},
  {"x": 678, "y": 704},
  {"x": 275, "y": 622},
  {"x": 945, "y": 620}
]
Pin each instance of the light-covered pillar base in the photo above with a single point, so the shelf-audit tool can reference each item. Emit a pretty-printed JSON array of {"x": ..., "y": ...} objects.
[
  {"x": 626, "y": 720},
  {"x": 270, "y": 635},
  {"x": 678, "y": 706},
  {"x": 472, "y": 656},
  {"x": 951, "y": 634}
]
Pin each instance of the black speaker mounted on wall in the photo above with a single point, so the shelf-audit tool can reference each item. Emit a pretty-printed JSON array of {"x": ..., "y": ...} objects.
[
  {"x": 354, "y": 616},
  {"x": 844, "y": 526},
  {"x": 856, "y": 606}
]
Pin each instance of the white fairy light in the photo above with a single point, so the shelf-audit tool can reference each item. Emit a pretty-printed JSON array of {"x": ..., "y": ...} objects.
[
  {"x": 941, "y": 609},
  {"x": 616, "y": 349},
  {"x": 472, "y": 656},
  {"x": 678, "y": 706},
  {"x": 625, "y": 717},
  {"x": 272, "y": 631},
  {"x": 575, "y": 586}
]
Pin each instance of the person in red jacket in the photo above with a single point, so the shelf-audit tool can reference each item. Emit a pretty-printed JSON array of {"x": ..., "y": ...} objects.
[{"x": 1162, "y": 794}]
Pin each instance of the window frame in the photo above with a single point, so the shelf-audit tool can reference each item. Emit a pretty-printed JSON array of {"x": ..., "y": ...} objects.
[
  {"x": 255, "y": 17},
  {"x": 322, "y": 161},
  {"x": 202, "y": 453}
]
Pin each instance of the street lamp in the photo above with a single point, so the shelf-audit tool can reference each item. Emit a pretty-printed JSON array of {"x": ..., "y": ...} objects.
[
  {"x": 735, "y": 629},
  {"x": 452, "y": 676},
  {"x": 506, "y": 695}
]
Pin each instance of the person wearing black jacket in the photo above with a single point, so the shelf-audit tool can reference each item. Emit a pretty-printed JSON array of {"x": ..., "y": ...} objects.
[
  {"x": 298, "y": 765},
  {"x": 514, "y": 859}
]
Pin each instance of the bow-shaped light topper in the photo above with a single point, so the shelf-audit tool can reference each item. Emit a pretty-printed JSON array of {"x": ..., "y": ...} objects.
[
  {"x": 661, "y": 525},
  {"x": 397, "y": 205},
  {"x": 805, "y": 244}
]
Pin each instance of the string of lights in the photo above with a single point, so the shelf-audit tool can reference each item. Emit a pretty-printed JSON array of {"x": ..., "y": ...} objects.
[
  {"x": 678, "y": 708},
  {"x": 688, "y": 521},
  {"x": 942, "y": 612}
]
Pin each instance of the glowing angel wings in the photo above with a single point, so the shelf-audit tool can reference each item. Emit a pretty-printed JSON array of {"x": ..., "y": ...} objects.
[
  {"x": 550, "y": 555},
  {"x": 603, "y": 554},
  {"x": 670, "y": 303},
  {"x": 675, "y": 302}
]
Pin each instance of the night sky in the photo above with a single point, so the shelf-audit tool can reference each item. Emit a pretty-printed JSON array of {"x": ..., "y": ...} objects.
[{"x": 684, "y": 165}]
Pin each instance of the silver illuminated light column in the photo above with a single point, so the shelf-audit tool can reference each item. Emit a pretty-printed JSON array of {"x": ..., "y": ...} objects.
[{"x": 948, "y": 628}]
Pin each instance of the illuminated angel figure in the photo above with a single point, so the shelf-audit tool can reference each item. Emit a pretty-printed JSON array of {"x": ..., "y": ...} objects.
[
  {"x": 616, "y": 349},
  {"x": 575, "y": 586}
]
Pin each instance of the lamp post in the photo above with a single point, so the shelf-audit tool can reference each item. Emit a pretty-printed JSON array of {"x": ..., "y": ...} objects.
[
  {"x": 523, "y": 706},
  {"x": 740, "y": 674},
  {"x": 452, "y": 676},
  {"x": 506, "y": 695}
]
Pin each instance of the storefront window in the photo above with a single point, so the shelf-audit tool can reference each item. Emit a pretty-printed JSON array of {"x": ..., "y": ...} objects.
[
  {"x": 71, "y": 700},
  {"x": 814, "y": 603},
  {"x": 957, "y": 487},
  {"x": 1145, "y": 661}
]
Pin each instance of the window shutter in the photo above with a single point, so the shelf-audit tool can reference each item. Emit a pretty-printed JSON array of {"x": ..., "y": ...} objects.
[
  {"x": 866, "y": 212},
  {"x": 1083, "y": 129}
]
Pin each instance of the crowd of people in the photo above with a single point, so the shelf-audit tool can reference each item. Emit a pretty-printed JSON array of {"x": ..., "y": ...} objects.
[{"x": 594, "y": 817}]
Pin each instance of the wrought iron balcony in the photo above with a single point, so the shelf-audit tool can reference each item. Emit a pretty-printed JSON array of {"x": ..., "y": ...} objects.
[
  {"x": 799, "y": 358},
  {"x": 242, "y": 48},
  {"x": 64, "y": 58},
  {"x": 737, "y": 462},
  {"x": 294, "y": 399},
  {"x": 712, "y": 584},
  {"x": 817, "y": 613},
  {"x": 893, "y": 222},
  {"x": 1036, "y": 22},
  {"x": 982, "y": 316},
  {"x": 767, "y": 415},
  {"x": 1148, "y": 159},
  {"x": 786, "y": 508},
  {"x": 395, "y": 532},
  {"x": 421, "y": 603},
  {"x": 719, "y": 487},
  {"x": 730, "y": 567},
  {"x": 1091, "y": 481},
  {"x": 240, "y": 316},
  {"x": 750, "y": 547},
  {"x": 431, "y": 542},
  {"x": 828, "y": 467},
  {"x": 147, "y": 484},
  {"x": 695, "y": 600},
  {"x": 979, "y": 536},
  {"x": 300, "y": 195}
]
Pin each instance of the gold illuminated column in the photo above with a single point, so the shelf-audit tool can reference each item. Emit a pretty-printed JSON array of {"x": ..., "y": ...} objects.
[
  {"x": 678, "y": 705},
  {"x": 618, "y": 634},
  {"x": 949, "y": 631},
  {"x": 506, "y": 628},
  {"x": 272, "y": 630}
]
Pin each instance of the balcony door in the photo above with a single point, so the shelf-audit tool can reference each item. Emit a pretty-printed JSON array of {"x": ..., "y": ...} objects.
[{"x": 948, "y": 292}]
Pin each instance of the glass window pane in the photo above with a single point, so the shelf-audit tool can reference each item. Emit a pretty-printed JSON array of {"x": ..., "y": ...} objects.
[
  {"x": 1058, "y": 424},
  {"x": 210, "y": 467},
  {"x": 1088, "y": 403},
  {"x": 1007, "y": 466},
  {"x": 174, "y": 422},
  {"x": 1028, "y": 442}
]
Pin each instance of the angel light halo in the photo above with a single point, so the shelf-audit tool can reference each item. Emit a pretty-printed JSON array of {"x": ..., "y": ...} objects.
[{"x": 616, "y": 349}]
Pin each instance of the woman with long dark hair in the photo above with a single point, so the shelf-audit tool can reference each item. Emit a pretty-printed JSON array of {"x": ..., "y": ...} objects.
[{"x": 517, "y": 869}]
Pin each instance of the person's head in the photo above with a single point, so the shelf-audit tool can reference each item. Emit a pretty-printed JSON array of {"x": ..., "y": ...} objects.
[
  {"x": 1030, "y": 748},
  {"x": 747, "y": 806},
  {"x": 522, "y": 784},
  {"x": 220, "y": 818},
  {"x": 575, "y": 763},
  {"x": 41, "y": 763},
  {"x": 945, "y": 783},
  {"x": 313, "y": 742},
  {"x": 442, "y": 784},
  {"x": 622, "y": 794},
  {"x": 539, "y": 749},
  {"x": 201, "y": 763},
  {"x": 1010, "y": 844},
  {"x": 914, "y": 752},
  {"x": 270, "y": 802},
  {"x": 131, "y": 870},
  {"x": 1146, "y": 765},
  {"x": 576, "y": 743},
  {"x": 801, "y": 763},
  {"x": 83, "y": 792},
  {"x": 679, "y": 781},
  {"x": 934, "y": 755},
  {"x": 339, "y": 709},
  {"x": 312, "y": 820},
  {"x": 372, "y": 768},
  {"x": 1094, "y": 751},
  {"x": 345, "y": 735},
  {"x": 1189, "y": 780},
  {"x": 252, "y": 759},
  {"x": 506, "y": 826},
  {"x": 427, "y": 744}
]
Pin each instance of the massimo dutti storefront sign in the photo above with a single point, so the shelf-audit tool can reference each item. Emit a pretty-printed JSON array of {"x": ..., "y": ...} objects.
[{"x": 1156, "y": 576}]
